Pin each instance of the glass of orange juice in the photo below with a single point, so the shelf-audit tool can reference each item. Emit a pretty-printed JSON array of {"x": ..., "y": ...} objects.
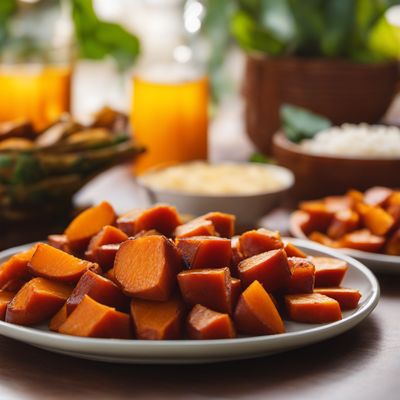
[
  {"x": 169, "y": 111},
  {"x": 36, "y": 64}
]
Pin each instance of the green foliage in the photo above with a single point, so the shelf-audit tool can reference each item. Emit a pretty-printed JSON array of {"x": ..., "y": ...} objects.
[
  {"x": 260, "y": 158},
  {"x": 299, "y": 123},
  {"x": 98, "y": 39},
  {"x": 317, "y": 28}
]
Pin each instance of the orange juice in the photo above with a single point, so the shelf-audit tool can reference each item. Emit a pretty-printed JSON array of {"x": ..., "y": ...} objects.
[
  {"x": 171, "y": 120},
  {"x": 37, "y": 93}
]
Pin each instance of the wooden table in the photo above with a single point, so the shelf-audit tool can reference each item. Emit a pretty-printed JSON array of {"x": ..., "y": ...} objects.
[{"x": 363, "y": 363}]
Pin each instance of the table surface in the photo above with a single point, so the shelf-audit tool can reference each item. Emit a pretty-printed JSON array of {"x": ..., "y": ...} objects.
[{"x": 363, "y": 363}]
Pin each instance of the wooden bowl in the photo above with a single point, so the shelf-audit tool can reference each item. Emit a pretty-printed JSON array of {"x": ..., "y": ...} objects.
[
  {"x": 343, "y": 91},
  {"x": 323, "y": 175}
]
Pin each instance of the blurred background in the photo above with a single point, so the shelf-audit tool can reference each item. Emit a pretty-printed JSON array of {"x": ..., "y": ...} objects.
[{"x": 189, "y": 80}]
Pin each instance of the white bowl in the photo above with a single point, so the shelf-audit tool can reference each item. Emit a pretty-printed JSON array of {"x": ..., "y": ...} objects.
[{"x": 248, "y": 208}]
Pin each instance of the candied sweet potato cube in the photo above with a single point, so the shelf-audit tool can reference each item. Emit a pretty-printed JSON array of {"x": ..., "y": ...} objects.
[
  {"x": 87, "y": 224},
  {"x": 236, "y": 289},
  {"x": 363, "y": 240},
  {"x": 347, "y": 298},
  {"x": 203, "y": 323},
  {"x": 92, "y": 319},
  {"x": 256, "y": 314},
  {"x": 237, "y": 256},
  {"x": 5, "y": 299},
  {"x": 224, "y": 224},
  {"x": 58, "y": 319},
  {"x": 292, "y": 251},
  {"x": 259, "y": 241},
  {"x": 313, "y": 308},
  {"x": 59, "y": 242},
  {"x": 146, "y": 267},
  {"x": 205, "y": 251},
  {"x": 302, "y": 278},
  {"x": 377, "y": 220},
  {"x": 158, "y": 320},
  {"x": 319, "y": 216},
  {"x": 329, "y": 272},
  {"x": 38, "y": 300},
  {"x": 107, "y": 235},
  {"x": 100, "y": 289},
  {"x": 161, "y": 217},
  {"x": 110, "y": 274},
  {"x": 15, "y": 270},
  {"x": 377, "y": 195},
  {"x": 344, "y": 221},
  {"x": 105, "y": 255},
  {"x": 337, "y": 203},
  {"x": 211, "y": 288},
  {"x": 271, "y": 269},
  {"x": 393, "y": 244},
  {"x": 197, "y": 227},
  {"x": 54, "y": 264}
]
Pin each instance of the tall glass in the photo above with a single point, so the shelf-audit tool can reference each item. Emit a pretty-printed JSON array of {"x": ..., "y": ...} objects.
[
  {"x": 36, "y": 64},
  {"x": 169, "y": 111}
]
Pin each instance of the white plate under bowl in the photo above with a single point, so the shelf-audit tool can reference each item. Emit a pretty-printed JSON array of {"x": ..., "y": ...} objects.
[
  {"x": 203, "y": 351},
  {"x": 380, "y": 263}
]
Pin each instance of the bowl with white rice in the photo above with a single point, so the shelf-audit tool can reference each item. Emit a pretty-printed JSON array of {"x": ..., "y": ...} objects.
[
  {"x": 342, "y": 157},
  {"x": 248, "y": 190}
]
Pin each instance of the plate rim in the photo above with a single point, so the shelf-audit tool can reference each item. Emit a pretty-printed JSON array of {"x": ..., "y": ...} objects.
[{"x": 116, "y": 346}]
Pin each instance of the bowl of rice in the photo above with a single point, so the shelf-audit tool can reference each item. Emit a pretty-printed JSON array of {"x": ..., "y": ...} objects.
[
  {"x": 248, "y": 190},
  {"x": 341, "y": 157}
]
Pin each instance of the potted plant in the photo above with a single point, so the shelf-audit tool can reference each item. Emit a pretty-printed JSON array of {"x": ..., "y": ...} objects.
[{"x": 335, "y": 57}]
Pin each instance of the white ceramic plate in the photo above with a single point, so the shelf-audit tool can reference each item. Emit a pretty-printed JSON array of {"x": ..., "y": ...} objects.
[
  {"x": 189, "y": 351},
  {"x": 381, "y": 263}
]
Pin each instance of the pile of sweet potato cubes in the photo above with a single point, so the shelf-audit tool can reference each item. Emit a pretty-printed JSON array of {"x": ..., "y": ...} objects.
[{"x": 145, "y": 275}]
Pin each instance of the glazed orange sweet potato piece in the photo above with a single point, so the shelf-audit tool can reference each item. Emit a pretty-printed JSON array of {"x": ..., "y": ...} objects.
[
  {"x": 337, "y": 203},
  {"x": 329, "y": 272},
  {"x": 323, "y": 239},
  {"x": 38, "y": 300},
  {"x": 15, "y": 270},
  {"x": 110, "y": 274},
  {"x": 302, "y": 278},
  {"x": 211, "y": 288},
  {"x": 107, "y": 235},
  {"x": 271, "y": 269},
  {"x": 59, "y": 242},
  {"x": 347, "y": 298},
  {"x": 344, "y": 221},
  {"x": 92, "y": 319},
  {"x": 312, "y": 308},
  {"x": 319, "y": 216},
  {"x": 146, "y": 267},
  {"x": 57, "y": 265},
  {"x": 197, "y": 227},
  {"x": 256, "y": 313},
  {"x": 203, "y": 323},
  {"x": 205, "y": 251},
  {"x": 87, "y": 224},
  {"x": 377, "y": 195},
  {"x": 363, "y": 240},
  {"x": 224, "y": 224},
  {"x": 157, "y": 320},
  {"x": 393, "y": 245},
  {"x": 292, "y": 251},
  {"x": 105, "y": 255},
  {"x": 377, "y": 220},
  {"x": 236, "y": 290},
  {"x": 259, "y": 241},
  {"x": 59, "y": 318},
  {"x": 100, "y": 289},
  {"x": 5, "y": 299},
  {"x": 162, "y": 218}
]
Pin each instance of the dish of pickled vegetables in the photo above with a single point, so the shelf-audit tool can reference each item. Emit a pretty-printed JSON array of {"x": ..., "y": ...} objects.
[{"x": 146, "y": 277}]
